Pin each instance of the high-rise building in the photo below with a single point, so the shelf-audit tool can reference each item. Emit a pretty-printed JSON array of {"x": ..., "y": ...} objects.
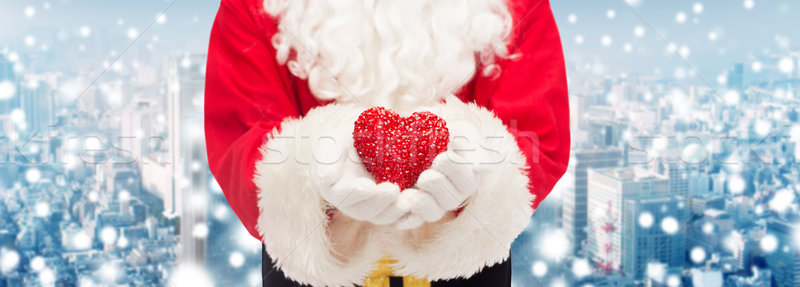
[
  {"x": 605, "y": 133},
  {"x": 699, "y": 183},
  {"x": 736, "y": 77},
  {"x": 136, "y": 133},
  {"x": 608, "y": 190},
  {"x": 6, "y": 68},
  {"x": 785, "y": 259},
  {"x": 7, "y": 76},
  {"x": 38, "y": 105},
  {"x": 678, "y": 178},
  {"x": 574, "y": 199},
  {"x": 796, "y": 56},
  {"x": 654, "y": 238},
  {"x": 188, "y": 157}
]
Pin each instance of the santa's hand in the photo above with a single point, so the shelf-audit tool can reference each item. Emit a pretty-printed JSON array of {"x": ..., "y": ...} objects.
[
  {"x": 450, "y": 181},
  {"x": 346, "y": 185},
  {"x": 362, "y": 199}
]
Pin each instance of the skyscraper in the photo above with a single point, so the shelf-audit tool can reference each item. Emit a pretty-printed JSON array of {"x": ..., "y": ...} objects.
[
  {"x": 188, "y": 156},
  {"x": 678, "y": 178},
  {"x": 38, "y": 105},
  {"x": 574, "y": 199},
  {"x": 654, "y": 238},
  {"x": 605, "y": 132},
  {"x": 8, "y": 77},
  {"x": 736, "y": 77},
  {"x": 699, "y": 183},
  {"x": 608, "y": 190},
  {"x": 785, "y": 259},
  {"x": 6, "y": 68}
]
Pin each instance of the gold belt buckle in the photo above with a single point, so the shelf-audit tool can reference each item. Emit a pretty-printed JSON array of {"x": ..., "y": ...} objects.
[{"x": 380, "y": 276}]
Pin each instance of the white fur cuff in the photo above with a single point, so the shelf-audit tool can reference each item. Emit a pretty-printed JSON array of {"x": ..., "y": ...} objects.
[
  {"x": 307, "y": 246},
  {"x": 493, "y": 217}
]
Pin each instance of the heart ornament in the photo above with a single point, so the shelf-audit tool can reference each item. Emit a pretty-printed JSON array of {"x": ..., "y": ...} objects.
[{"x": 398, "y": 149}]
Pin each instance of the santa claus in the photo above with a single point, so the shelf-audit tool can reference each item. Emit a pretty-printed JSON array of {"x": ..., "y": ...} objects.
[{"x": 287, "y": 79}]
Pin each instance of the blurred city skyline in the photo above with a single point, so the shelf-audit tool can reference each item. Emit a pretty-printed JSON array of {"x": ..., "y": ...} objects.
[{"x": 675, "y": 177}]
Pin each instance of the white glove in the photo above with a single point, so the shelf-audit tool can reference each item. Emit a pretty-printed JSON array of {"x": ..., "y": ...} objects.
[
  {"x": 450, "y": 181},
  {"x": 347, "y": 186}
]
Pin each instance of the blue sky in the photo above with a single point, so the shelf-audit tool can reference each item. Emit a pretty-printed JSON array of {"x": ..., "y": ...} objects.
[{"x": 742, "y": 30}]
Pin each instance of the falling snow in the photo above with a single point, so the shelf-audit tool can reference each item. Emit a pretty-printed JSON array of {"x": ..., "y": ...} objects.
[
  {"x": 670, "y": 225},
  {"x": 698, "y": 8},
  {"x": 769, "y": 243},
  {"x": 749, "y": 4},
  {"x": 698, "y": 255},
  {"x": 606, "y": 41},
  {"x": 646, "y": 219}
]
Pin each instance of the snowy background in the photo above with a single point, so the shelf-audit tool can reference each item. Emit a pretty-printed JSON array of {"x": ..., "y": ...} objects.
[{"x": 98, "y": 188}]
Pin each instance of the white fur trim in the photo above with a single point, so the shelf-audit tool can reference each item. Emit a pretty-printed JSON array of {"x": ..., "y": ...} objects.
[
  {"x": 293, "y": 222},
  {"x": 312, "y": 250},
  {"x": 493, "y": 217}
]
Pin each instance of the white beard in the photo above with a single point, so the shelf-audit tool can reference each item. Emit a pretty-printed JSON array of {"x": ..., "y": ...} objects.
[{"x": 400, "y": 54}]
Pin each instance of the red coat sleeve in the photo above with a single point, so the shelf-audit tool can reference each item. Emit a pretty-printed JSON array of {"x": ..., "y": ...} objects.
[
  {"x": 530, "y": 95},
  {"x": 247, "y": 95}
]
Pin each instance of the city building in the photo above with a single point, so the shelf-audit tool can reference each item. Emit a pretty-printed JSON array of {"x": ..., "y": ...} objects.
[
  {"x": 648, "y": 233},
  {"x": 735, "y": 80},
  {"x": 608, "y": 191},
  {"x": 574, "y": 200},
  {"x": 190, "y": 175},
  {"x": 784, "y": 261}
]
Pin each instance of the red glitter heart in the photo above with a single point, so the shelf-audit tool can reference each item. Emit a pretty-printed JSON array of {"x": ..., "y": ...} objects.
[{"x": 397, "y": 149}]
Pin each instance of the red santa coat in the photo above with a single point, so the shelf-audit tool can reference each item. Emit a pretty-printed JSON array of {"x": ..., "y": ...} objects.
[{"x": 249, "y": 94}]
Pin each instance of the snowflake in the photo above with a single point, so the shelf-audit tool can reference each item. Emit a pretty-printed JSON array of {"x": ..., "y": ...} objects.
[
  {"x": 697, "y": 255},
  {"x": 680, "y": 17},
  {"x": 581, "y": 268},
  {"x": 757, "y": 66},
  {"x": 30, "y": 40},
  {"x": 539, "y": 269},
  {"x": 606, "y": 40},
  {"x": 786, "y": 65},
  {"x": 579, "y": 39},
  {"x": 200, "y": 230},
  {"x": 736, "y": 184},
  {"x": 33, "y": 175},
  {"x": 85, "y": 31},
  {"x": 108, "y": 235},
  {"x": 133, "y": 33},
  {"x": 749, "y": 4},
  {"x": 9, "y": 260},
  {"x": 611, "y": 14},
  {"x": 555, "y": 245},
  {"x": 646, "y": 219},
  {"x": 161, "y": 19},
  {"x": 698, "y": 8},
  {"x": 670, "y": 225},
  {"x": 236, "y": 259},
  {"x": 38, "y": 264},
  {"x": 30, "y": 11},
  {"x": 768, "y": 243},
  {"x": 638, "y": 31},
  {"x": 7, "y": 90}
]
